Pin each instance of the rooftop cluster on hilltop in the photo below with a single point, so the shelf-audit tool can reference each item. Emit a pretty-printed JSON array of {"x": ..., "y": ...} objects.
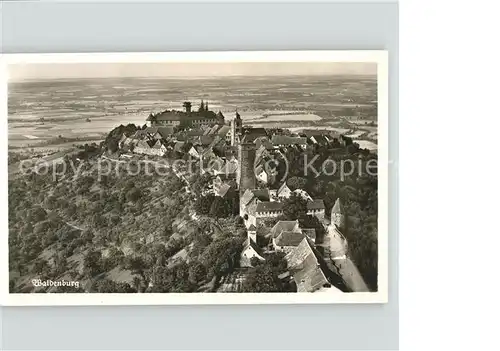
[{"x": 236, "y": 157}]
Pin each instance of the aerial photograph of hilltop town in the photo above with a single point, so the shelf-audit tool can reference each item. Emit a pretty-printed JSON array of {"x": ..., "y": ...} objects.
[{"x": 193, "y": 178}]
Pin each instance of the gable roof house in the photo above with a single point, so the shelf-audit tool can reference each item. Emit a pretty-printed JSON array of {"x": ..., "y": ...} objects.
[
  {"x": 160, "y": 132},
  {"x": 265, "y": 174},
  {"x": 287, "y": 240},
  {"x": 140, "y": 135},
  {"x": 250, "y": 134},
  {"x": 310, "y": 233},
  {"x": 220, "y": 179},
  {"x": 222, "y": 190},
  {"x": 319, "y": 139},
  {"x": 269, "y": 209},
  {"x": 284, "y": 226},
  {"x": 143, "y": 147},
  {"x": 250, "y": 250},
  {"x": 158, "y": 148},
  {"x": 310, "y": 272},
  {"x": 316, "y": 208},
  {"x": 248, "y": 204},
  {"x": 165, "y": 132},
  {"x": 284, "y": 191},
  {"x": 196, "y": 151},
  {"x": 285, "y": 141}
]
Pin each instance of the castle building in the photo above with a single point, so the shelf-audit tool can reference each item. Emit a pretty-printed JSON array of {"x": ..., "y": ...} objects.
[{"x": 187, "y": 118}]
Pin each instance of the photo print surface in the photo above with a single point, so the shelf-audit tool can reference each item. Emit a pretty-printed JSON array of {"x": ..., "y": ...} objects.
[{"x": 197, "y": 178}]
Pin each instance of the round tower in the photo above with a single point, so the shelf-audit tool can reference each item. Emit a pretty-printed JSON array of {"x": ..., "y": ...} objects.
[{"x": 245, "y": 176}]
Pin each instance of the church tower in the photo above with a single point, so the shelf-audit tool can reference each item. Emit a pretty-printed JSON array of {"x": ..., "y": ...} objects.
[
  {"x": 236, "y": 129},
  {"x": 338, "y": 217},
  {"x": 239, "y": 123}
]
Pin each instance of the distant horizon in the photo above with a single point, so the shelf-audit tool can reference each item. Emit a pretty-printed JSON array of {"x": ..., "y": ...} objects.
[
  {"x": 179, "y": 70},
  {"x": 190, "y": 77}
]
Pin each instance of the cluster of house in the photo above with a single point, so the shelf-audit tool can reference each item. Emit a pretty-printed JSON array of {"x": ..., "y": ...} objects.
[
  {"x": 306, "y": 266},
  {"x": 158, "y": 140},
  {"x": 257, "y": 205},
  {"x": 238, "y": 158}
]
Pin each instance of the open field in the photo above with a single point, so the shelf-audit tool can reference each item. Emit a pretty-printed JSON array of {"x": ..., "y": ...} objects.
[
  {"x": 86, "y": 108},
  {"x": 333, "y": 129},
  {"x": 366, "y": 144},
  {"x": 356, "y": 134},
  {"x": 287, "y": 117}
]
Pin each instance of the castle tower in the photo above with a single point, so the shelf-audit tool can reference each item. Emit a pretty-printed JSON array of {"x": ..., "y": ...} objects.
[
  {"x": 338, "y": 217},
  {"x": 206, "y": 106},
  {"x": 245, "y": 176},
  {"x": 187, "y": 106}
]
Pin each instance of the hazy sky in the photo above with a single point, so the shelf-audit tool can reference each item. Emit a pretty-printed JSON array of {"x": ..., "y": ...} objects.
[{"x": 172, "y": 69}]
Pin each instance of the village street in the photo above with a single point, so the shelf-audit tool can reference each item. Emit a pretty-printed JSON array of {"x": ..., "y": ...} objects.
[{"x": 345, "y": 267}]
